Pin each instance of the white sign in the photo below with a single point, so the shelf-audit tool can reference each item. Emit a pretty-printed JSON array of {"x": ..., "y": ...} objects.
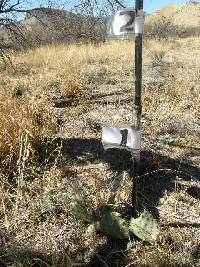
[
  {"x": 139, "y": 22},
  {"x": 124, "y": 23},
  {"x": 121, "y": 137}
]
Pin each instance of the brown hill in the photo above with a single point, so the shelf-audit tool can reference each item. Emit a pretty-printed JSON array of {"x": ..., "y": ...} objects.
[{"x": 187, "y": 15}]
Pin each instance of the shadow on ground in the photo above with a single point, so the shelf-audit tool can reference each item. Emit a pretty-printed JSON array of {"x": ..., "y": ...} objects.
[
  {"x": 158, "y": 173},
  {"x": 152, "y": 183},
  {"x": 17, "y": 256},
  {"x": 111, "y": 254}
]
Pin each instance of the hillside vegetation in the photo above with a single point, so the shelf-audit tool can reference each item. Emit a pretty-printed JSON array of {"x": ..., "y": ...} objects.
[
  {"x": 175, "y": 20},
  {"x": 53, "y": 102},
  {"x": 43, "y": 26},
  {"x": 181, "y": 14}
]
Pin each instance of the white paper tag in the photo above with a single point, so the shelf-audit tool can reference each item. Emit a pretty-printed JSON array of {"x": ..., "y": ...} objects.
[
  {"x": 122, "y": 22},
  {"x": 139, "y": 22},
  {"x": 121, "y": 137}
]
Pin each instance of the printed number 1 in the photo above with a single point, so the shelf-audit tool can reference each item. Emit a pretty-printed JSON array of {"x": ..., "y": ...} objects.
[{"x": 126, "y": 27}]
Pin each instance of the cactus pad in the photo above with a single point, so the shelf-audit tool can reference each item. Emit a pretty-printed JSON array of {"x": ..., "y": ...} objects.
[{"x": 145, "y": 227}]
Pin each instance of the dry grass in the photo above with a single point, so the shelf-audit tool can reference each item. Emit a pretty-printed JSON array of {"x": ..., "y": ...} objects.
[
  {"x": 65, "y": 68},
  {"x": 172, "y": 104},
  {"x": 62, "y": 57},
  {"x": 35, "y": 210},
  {"x": 25, "y": 121}
]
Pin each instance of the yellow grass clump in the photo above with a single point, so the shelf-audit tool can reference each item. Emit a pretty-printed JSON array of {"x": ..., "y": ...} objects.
[
  {"x": 64, "y": 56},
  {"x": 24, "y": 122},
  {"x": 66, "y": 66}
]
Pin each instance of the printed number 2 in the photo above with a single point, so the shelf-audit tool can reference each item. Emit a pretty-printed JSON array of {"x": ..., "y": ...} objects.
[{"x": 126, "y": 27}]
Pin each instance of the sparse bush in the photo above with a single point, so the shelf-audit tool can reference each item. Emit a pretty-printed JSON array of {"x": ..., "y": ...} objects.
[
  {"x": 192, "y": 31},
  {"x": 159, "y": 62},
  {"x": 163, "y": 28},
  {"x": 73, "y": 85}
]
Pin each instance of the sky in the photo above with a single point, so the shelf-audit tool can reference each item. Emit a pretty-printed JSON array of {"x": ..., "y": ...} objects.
[
  {"x": 149, "y": 5},
  {"x": 153, "y": 5}
]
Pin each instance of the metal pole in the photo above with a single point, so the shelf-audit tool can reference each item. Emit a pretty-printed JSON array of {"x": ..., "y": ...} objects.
[
  {"x": 138, "y": 69},
  {"x": 138, "y": 105}
]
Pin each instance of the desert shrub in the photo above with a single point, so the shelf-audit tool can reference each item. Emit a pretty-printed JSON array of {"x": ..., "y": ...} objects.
[
  {"x": 158, "y": 61},
  {"x": 192, "y": 31},
  {"x": 72, "y": 85},
  {"x": 44, "y": 26},
  {"x": 164, "y": 27}
]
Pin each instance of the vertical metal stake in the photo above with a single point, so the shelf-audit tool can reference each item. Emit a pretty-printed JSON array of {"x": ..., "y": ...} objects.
[
  {"x": 135, "y": 173},
  {"x": 138, "y": 105}
]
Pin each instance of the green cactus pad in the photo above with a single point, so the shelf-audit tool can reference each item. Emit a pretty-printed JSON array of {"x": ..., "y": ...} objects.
[
  {"x": 145, "y": 227},
  {"x": 117, "y": 183},
  {"x": 79, "y": 209},
  {"x": 113, "y": 225}
]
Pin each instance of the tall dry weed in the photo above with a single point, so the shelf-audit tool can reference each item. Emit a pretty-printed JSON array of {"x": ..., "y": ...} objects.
[{"x": 24, "y": 122}]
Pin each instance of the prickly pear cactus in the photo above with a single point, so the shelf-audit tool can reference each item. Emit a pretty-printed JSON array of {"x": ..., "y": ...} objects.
[
  {"x": 79, "y": 209},
  {"x": 113, "y": 225},
  {"x": 145, "y": 227},
  {"x": 110, "y": 222},
  {"x": 92, "y": 228},
  {"x": 117, "y": 183}
]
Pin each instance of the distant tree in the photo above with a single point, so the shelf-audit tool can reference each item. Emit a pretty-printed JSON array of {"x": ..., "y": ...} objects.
[
  {"x": 193, "y": 2},
  {"x": 96, "y": 11},
  {"x": 8, "y": 9},
  {"x": 11, "y": 31},
  {"x": 92, "y": 27}
]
